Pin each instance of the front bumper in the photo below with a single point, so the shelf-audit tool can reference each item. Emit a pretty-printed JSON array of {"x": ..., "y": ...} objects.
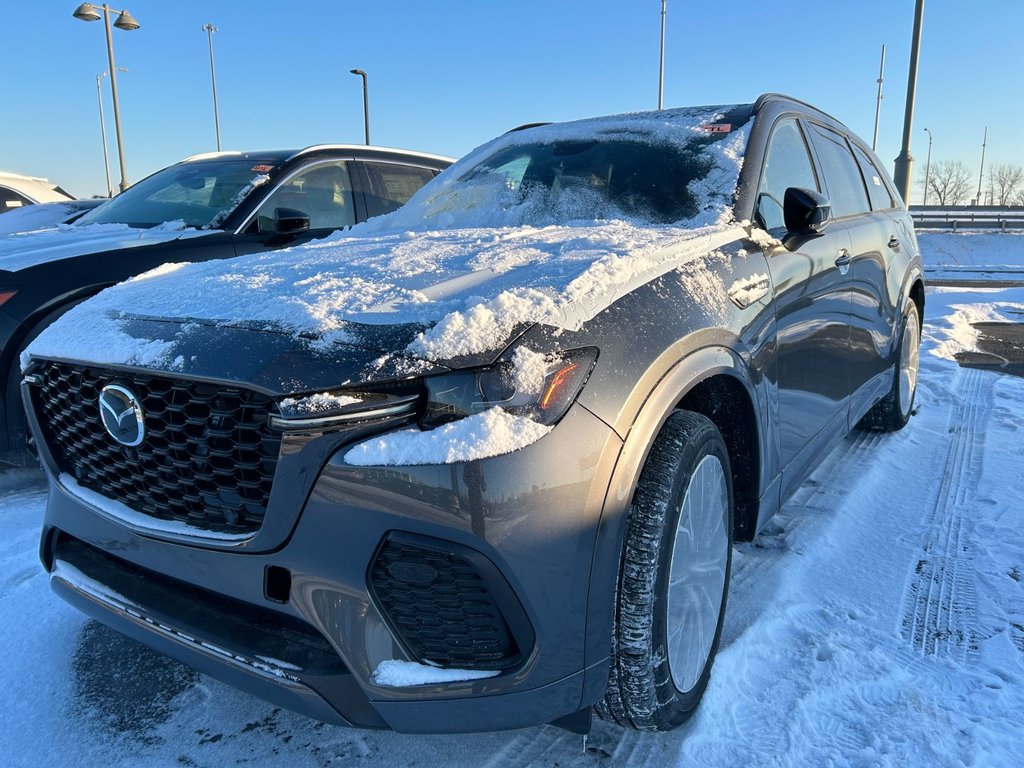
[{"x": 532, "y": 514}]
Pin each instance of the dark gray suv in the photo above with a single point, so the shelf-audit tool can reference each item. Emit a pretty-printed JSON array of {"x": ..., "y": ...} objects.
[{"x": 479, "y": 463}]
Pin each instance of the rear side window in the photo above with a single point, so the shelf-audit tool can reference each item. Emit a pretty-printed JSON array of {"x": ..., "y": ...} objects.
[
  {"x": 877, "y": 191},
  {"x": 392, "y": 185},
  {"x": 787, "y": 164},
  {"x": 842, "y": 175}
]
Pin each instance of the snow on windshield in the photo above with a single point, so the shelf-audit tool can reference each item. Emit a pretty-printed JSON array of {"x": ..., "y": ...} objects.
[{"x": 470, "y": 272}]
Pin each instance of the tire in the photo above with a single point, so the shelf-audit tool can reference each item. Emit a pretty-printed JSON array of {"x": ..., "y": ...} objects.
[
  {"x": 654, "y": 684},
  {"x": 893, "y": 411}
]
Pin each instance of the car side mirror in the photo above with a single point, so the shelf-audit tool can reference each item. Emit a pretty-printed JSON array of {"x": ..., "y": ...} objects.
[
  {"x": 805, "y": 211},
  {"x": 288, "y": 221}
]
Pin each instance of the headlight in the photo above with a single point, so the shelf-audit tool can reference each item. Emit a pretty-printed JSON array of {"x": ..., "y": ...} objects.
[{"x": 531, "y": 384}]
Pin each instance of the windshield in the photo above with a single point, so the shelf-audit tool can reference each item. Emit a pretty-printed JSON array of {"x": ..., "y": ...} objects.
[
  {"x": 675, "y": 167},
  {"x": 200, "y": 194}
]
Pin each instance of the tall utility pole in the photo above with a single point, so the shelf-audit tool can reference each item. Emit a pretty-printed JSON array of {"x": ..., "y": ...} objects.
[
  {"x": 878, "y": 102},
  {"x": 981, "y": 171},
  {"x": 661, "y": 67},
  {"x": 210, "y": 29},
  {"x": 103, "y": 131},
  {"x": 904, "y": 162}
]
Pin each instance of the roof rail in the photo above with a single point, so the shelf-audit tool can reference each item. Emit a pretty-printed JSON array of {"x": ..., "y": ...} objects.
[
  {"x": 524, "y": 126},
  {"x": 317, "y": 147}
]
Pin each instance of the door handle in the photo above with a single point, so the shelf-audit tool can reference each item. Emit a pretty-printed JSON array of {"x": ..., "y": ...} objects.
[
  {"x": 843, "y": 260},
  {"x": 894, "y": 242}
]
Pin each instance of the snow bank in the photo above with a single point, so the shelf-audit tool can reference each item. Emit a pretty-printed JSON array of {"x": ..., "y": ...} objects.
[
  {"x": 479, "y": 436},
  {"x": 972, "y": 251},
  {"x": 393, "y": 673}
]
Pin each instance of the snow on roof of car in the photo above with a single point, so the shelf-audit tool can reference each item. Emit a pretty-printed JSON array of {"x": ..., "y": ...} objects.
[{"x": 469, "y": 279}]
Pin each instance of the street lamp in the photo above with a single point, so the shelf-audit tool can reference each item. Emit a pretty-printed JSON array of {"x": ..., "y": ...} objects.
[
  {"x": 366, "y": 103},
  {"x": 904, "y": 161},
  {"x": 210, "y": 29},
  {"x": 927, "y": 167},
  {"x": 125, "y": 21}
]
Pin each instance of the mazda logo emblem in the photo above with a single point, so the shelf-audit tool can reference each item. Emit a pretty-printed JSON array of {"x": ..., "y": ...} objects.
[{"x": 121, "y": 413}]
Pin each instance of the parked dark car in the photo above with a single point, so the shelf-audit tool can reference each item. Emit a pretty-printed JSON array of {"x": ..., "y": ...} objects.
[
  {"x": 219, "y": 205},
  {"x": 480, "y": 464}
]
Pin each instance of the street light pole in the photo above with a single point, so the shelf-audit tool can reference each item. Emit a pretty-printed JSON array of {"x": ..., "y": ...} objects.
[
  {"x": 103, "y": 131},
  {"x": 981, "y": 171},
  {"x": 366, "y": 103},
  {"x": 904, "y": 162},
  {"x": 210, "y": 29},
  {"x": 125, "y": 21},
  {"x": 927, "y": 167},
  {"x": 661, "y": 67},
  {"x": 878, "y": 102}
]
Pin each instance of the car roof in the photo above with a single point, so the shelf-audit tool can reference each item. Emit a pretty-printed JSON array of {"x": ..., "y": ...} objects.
[{"x": 279, "y": 156}]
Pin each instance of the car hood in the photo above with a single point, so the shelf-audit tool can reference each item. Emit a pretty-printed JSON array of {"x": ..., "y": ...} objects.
[
  {"x": 414, "y": 301},
  {"x": 21, "y": 250},
  {"x": 266, "y": 358}
]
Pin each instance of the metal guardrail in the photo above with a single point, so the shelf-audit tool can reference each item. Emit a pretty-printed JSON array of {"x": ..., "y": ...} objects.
[{"x": 954, "y": 217}]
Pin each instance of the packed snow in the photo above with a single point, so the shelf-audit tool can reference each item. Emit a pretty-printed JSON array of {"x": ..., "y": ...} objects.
[
  {"x": 480, "y": 436},
  {"x": 396, "y": 673},
  {"x": 469, "y": 271}
]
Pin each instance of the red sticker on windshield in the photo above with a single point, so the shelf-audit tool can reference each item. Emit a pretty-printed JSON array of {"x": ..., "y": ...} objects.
[
  {"x": 717, "y": 127},
  {"x": 262, "y": 168}
]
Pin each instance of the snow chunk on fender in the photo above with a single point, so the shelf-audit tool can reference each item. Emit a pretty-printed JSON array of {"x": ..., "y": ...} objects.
[{"x": 479, "y": 436}]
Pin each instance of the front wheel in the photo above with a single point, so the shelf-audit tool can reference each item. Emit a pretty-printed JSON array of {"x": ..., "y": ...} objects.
[{"x": 673, "y": 578}]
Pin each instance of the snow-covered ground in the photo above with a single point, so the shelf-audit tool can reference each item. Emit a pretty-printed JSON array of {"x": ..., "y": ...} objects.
[{"x": 879, "y": 621}]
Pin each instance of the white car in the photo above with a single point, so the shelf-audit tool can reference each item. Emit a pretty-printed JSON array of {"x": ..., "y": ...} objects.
[{"x": 17, "y": 191}]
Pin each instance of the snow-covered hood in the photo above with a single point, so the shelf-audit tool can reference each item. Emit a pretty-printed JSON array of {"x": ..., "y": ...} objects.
[
  {"x": 21, "y": 250},
  {"x": 431, "y": 296}
]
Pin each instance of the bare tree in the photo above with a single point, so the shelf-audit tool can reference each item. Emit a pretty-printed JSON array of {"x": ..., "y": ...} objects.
[
  {"x": 949, "y": 182},
  {"x": 1004, "y": 183}
]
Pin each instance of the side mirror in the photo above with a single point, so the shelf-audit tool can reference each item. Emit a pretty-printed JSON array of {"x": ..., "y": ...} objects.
[
  {"x": 288, "y": 221},
  {"x": 805, "y": 211}
]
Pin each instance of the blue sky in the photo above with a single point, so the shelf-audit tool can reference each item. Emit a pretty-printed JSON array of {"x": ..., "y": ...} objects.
[{"x": 447, "y": 75}]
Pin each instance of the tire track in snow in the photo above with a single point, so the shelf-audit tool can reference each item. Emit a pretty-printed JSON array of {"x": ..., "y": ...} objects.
[{"x": 940, "y": 602}]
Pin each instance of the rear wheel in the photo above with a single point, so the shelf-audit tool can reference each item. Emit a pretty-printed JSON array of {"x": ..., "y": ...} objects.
[
  {"x": 893, "y": 411},
  {"x": 673, "y": 578}
]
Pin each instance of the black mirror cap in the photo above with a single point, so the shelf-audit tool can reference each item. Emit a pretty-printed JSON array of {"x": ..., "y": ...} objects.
[
  {"x": 805, "y": 211},
  {"x": 290, "y": 221}
]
